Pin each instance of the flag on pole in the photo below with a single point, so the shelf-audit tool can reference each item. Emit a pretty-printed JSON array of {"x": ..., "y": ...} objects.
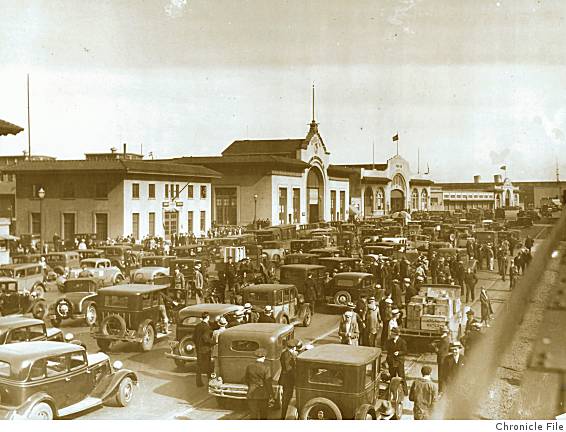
[
  {"x": 396, "y": 137},
  {"x": 504, "y": 168}
]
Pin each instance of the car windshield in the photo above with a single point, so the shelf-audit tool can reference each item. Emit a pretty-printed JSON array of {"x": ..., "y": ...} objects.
[
  {"x": 245, "y": 346},
  {"x": 370, "y": 373},
  {"x": 191, "y": 321},
  {"x": 77, "y": 286},
  {"x": 6, "y": 272},
  {"x": 116, "y": 301},
  {"x": 114, "y": 251},
  {"x": 7, "y": 287},
  {"x": 52, "y": 259},
  {"x": 345, "y": 282},
  {"x": 291, "y": 277},
  {"x": 257, "y": 298},
  {"x": 5, "y": 370},
  {"x": 88, "y": 264}
]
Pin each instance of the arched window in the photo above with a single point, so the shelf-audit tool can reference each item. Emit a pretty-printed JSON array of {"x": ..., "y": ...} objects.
[
  {"x": 415, "y": 200},
  {"x": 398, "y": 182},
  {"x": 379, "y": 199},
  {"x": 368, "y": 202},
  {"x": 424, "y": 200}
]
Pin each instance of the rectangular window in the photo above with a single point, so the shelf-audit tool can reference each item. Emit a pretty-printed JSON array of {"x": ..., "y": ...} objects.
[
  {"x": 203, "y": 221},
  {"x": 343, "y": 205},
  {"x": 329, "y": 376},
  {"x": 101, "y": 190},
  {"x": 36, "y": 223},
  {"x": 177, "y": 188},
  {"x": 69, "y": 226},
  {"x": 68, "y": 190},
  {"x": 203, "y": 192},
  {"x": 296, "y": 205},
  {"x": 333, "y": 205},
  {"x": 282, "y": 205},
  {"x": 152, "y": 224},
  {"x": 136, "y": 225},
  {"x": 190, "y": 222},
  {"x": 34, "y": 189},
  {"x": 101, "y": 226},
  {"x": 166, "y": 191},
  {"x": 151, "y": 191},
  {"x": 135, "y": 190},
  {"x": 190, "y": 192}
]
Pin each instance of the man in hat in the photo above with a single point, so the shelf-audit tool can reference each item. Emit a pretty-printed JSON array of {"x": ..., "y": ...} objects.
[
  {"x": 470, "y": 316},
  {"x": 250, "y": 316},
  {"x": 396, "y": 349},
  {"x": 386, "y": 315},
  {"x": 453, "y": 363},
  {"x": 472, "y": 336},
  {"x": 310, "y": 292},
  {"x": 460, "y": 275},
  {"x": 397, "y": 293},
  {"x": 260, "y": 388},
  {"x": 267, "y": 315},
  {"x": 202, "y": 338},
  {"x": 373, "y": 322},
  {"x": 385, "y": 410},
  {"x": 410, "y": 292},
  {"x": 222, "y": 325},
  {"x": 199, "y": 284},
  {"x": 423, "y": 393},
  {"x": 348, "y": 329},
  {"x": 360, "y": 311},
  {"x": 394, "y": 321},
  {"x": 442, "y": 348},
  {"x": 287, "y": 378}
]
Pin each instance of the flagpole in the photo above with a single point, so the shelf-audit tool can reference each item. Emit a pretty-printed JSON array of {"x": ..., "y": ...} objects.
[
  {"x": 418, "y": 160},
  {"x": 29, "y": 129}
]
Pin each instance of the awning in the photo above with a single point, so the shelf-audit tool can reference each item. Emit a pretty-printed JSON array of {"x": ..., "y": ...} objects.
[
  {"x": 8, "y": 237},
  {"x": 9, "y": 128}
]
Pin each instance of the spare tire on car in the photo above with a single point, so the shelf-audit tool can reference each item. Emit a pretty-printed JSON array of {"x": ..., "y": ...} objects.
[{"x": 113, "y": 325}]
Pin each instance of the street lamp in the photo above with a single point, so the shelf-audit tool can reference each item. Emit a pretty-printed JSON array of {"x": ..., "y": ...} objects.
[
  {"x": 41, "y": 195},
  {"x": 255, "y": 210}
]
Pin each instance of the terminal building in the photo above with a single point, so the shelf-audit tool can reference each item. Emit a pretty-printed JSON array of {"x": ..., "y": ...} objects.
[{"x": 283, "y": 181}]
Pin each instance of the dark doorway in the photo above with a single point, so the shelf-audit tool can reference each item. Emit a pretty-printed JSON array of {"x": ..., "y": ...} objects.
[
  {"x": 397, "y": 200},
  {"x": 315, "y": 195}
]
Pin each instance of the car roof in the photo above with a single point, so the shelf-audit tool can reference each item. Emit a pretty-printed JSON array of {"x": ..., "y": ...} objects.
[
  {"x": 341, "y": 354},
  {"x": 9, "y": 321},
  {"x": 302, "y": 266},
  {"x": 21, "y": 351},
  {"x": 94, "y": 259},
  {"x": 338, "y": 259},
  {"x": 298, "y": 254},
  {"x": 7, "y": 279},
  {"x": 258, "y": 328},
  {"x": 159, "y": 256},
  {"x": 132, "y": 289},
  {"x": 348, "y": 275},
  {"x": 19, "y": 266},
  {"x": 266, "y": 287},
  {"x": 214, "y": 309}
]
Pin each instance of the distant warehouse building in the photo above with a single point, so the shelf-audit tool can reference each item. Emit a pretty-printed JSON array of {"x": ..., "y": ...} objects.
[{"x": 112, "y": 195}]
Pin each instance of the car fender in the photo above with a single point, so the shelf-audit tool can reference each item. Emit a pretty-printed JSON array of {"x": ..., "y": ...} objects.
[
  {"x": 145, "y": 323},
  {"x": 55, "y": 334},
  {"x": 88, "y": 298},
  {"x": 107, "y": 386},
  {"x": 26, "y": 407},
  {"x": 302, "y": 310}
]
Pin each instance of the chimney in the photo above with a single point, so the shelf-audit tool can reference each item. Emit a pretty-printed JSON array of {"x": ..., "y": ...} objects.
[
  {"x": 477, "y": 178},
  {"x": 124, "y": 149},
  {"x": 497, "y": 178},
  {"x": 113, "y": 150}
]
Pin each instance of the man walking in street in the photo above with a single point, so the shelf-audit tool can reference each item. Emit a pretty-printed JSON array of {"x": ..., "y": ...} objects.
[
  {"x": 442, "y": 348},
  {"x": 287, "y": 378},
  {"x": 199, "y": 285},
  {"x": 423, "y": 393},
  {"x": 470, "y": 280},
  {"x": 202, "y": 338},
  {"x": 453, "y": 363},
  {"x": 310, "y": 293},
  {"x": 396, "y": 350},
  {"x": 260, "y": 388},
  {"x": 373, "y": 322}
]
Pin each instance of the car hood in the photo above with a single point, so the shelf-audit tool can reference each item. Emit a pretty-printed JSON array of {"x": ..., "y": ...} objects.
[
  {"x": 96, "y": 358},
  {"x": 52, "y": 331},
  {"x": 150, "y": 271}
]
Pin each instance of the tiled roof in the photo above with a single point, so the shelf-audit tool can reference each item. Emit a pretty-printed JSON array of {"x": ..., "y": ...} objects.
[
  {"x": 257, "y": 147},
  {"x": 125, "y": 166},
  {"x": 219, "y": 161},
  {"x": 7, "y": 128}
]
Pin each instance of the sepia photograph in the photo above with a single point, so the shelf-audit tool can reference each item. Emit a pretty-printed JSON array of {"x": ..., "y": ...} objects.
[{"x": 283, "y": 210}]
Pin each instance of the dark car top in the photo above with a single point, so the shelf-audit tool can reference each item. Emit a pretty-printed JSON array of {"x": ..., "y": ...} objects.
[
  {"x": 214, "y": 309},
  {"x": 131, "y": 289},
  {"x": 12, "y": 321},
  {"x": 339, "y": 354}
]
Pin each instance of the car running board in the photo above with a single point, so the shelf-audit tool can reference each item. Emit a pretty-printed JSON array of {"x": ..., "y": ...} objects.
[{"x": 85, "y": 404}]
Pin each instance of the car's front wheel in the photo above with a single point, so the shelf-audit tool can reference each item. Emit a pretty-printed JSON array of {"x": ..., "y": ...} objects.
[
  {"x": 38, "y": 290},
  {"x": 39, "y": 310},
  {"x": 148, "y": 338},
  {"x": 41, "y": 411},
  {"x": 90, "y": 314},
  {"x": 125, "y": 392},
  {"x": 307, "y": 319}
]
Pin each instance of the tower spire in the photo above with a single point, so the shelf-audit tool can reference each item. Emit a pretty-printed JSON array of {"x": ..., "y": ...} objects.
[{"x": 313, "y": 102}]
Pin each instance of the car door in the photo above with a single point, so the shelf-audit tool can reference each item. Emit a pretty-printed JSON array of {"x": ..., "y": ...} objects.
[
  {"x": 11, "y": 299},
  {"x": 48, "y": 375},
  {"x": 290, "y": 297},
  {"x": 79, "y": 378}
]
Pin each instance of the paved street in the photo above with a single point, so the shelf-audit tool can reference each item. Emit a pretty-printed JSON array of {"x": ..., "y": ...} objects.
[{"x": 167, "y": 393}]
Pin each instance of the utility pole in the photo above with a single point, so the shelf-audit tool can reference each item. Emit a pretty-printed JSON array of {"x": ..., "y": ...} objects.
[{"x": 29, "y": 129}]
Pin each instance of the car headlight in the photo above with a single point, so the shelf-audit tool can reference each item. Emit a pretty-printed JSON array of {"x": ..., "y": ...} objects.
[
  {"x": 189, "y": 347},
  {"x": 117, "y": 365},
  {"x": 69, "y": 337}
]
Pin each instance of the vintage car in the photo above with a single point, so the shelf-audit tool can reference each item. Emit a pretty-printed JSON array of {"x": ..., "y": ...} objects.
[
  {"x": 327, "y": 252},
  {"x": 486, "y": 237},
  {"x": 340, "y": 264},
  {"x": 117, "y": 255},
  {"x": 18, "y": 328},
  {"x": 288, "y": 305},
  {"x": 46, "y": 380},
  {"x": 342, "y": 382},
  {"x": 152, "y": 267},
  {"x": 274, "y": 250},
  {"x": 62, "y": 262},
  {"x": 385, "y": 250},
  {"x": 99, "y": 268},
  {"x": 131, "y": 313},
  {"x": 13, "y": 301},
  {"x": 203, "y": 253},
  {"x": 419, "y": 241},
  {"x": 349, "y": 286},
  {"x": 26, "y": 258},
  {"x": 305, "y": 245},
  {"x": 297, "y": 274},
  {"x": 458, "y": 254},
  {"x": 236, "y": 347},
  {"x": 183, "y": 347},
  {"x": 90, "y": 253},
  {"x": 28, "y": 276},
  {"x": 77, "y": 301},
  {"x": 301, "y": 258},
  {"x": 435, "y": 245}
]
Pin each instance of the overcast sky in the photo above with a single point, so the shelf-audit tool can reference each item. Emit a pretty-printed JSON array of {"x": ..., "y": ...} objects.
[{"x": 473, "y": 84}]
